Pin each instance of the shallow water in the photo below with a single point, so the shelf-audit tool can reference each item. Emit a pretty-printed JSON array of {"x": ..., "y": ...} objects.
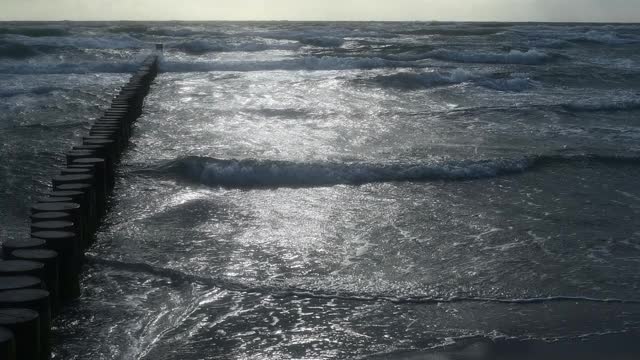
[{"x": 346, "y": 190}]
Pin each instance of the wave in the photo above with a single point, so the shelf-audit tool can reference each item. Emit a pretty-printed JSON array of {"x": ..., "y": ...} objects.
[
  {"x": 455, "y": 31},
  {"x": 511, "y": 84},
  {"x": 200, "y": 47},
  {"x": 127, "y": 29},
  {"x": 317, "y": 38},
  {"x": 305, "y": 63},
  {"x": 321, "y": 41},
  {"x": 283, "y": 292},
  {"x": 12, "y": 50},
  {"x": 41, "y": 90},
  {"x": 595, "y": 106},
  {"x": 603, "y": 37},
  {"x": 34, "y": 31},
  {"x": 70, "y": 68},
  {"x": 146, "y": 29},
  {"x": 182, "y": 32},
  {"x": 412, "y": 81},
  {"x": 423, "y": 80},
  {"x": 78, "y": 42},
  {"x": 529, "y": 57},
  {"x": 267, "y": 173}
]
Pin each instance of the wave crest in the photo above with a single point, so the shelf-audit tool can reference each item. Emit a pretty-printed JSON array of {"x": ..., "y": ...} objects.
[
  {"x": 13, "y": 50},
  {"x": 529, "y": 57},
  {"x": 597, "y": 106},
  {"x": 70, "y": 68},
  {"x": 34, "y": 31},
  {"x": 413, "y": 81},
  {"x": 604, "y": 37},
  {"x": 267, "y": 173},
  {"x": 40, "y": 90},
  {"x": 201, "y": 46},
  {"x": 252, "y": 173},
  {"x": 305, "y": 63}
]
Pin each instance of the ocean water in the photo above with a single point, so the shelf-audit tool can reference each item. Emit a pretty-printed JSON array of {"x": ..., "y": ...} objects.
[{"x": 344, "y": 190}]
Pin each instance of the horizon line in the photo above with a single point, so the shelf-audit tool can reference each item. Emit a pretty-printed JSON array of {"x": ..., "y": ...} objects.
[{"x": 336, "y": 21}]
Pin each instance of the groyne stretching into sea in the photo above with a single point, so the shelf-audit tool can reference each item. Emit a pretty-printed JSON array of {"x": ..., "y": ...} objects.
[{"x": 40, "y": 273}]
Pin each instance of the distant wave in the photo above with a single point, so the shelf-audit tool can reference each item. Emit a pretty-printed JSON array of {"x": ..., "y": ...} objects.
[
  {"x": 423, "y": 80},
  {"x": 267, "y": 173},
  {"x": 137, "y": 30},
  {"x": 412, "y": 81},
  {"x": 321, "y": 41},
  {"x": 603, "y": 37},
  {"x": 201, "y": 46},
  {"x": 13, "y": 50},
  {"x": 318, "y": 38},
  {"x": 305, "y": 63},
  {"x": 40, "y": 90},
  {"x": 70, "y": 68},
  {"x": 76, "y": 42},
  {"x": 604, "y": 106},
  {"x": 309, "y": 63},
  {"x": 206, "y": 45},
  {"x": 455, "y": 31},
  {"x": 529, "y": 57},
  {"x": 32, "y": 31}
]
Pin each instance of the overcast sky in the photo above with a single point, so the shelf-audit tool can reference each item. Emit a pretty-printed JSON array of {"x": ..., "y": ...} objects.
[{"x": 501, "y": 10}]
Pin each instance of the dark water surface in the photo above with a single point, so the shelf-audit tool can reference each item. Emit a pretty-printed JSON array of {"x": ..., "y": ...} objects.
[{"x": 344, "y": 190}]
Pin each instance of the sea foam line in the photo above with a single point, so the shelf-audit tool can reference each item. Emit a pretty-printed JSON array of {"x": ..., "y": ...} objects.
[{"x": 278, "y": 292}]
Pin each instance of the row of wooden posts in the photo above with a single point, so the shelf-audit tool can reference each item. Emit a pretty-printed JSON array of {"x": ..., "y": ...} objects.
[{"x": 39, "y": 275}]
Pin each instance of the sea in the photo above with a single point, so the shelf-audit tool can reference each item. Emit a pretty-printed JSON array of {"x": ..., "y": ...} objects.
[{"x": 343, "y": 190}]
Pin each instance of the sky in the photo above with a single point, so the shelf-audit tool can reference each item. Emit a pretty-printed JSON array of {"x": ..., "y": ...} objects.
[{"x": 454, "y": 10}]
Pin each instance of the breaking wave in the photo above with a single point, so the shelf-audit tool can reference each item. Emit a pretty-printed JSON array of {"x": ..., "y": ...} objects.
[
  {"x": 305, "y": 63},
  {"x": 41, "y": 90},
  {"x": 200, "y": 47},
  {"x": 70, "y": 68},
  {"x": 603, "y": 37},
  {"x": 321, "y": 41},
  {"x": 34, "y": 31},
  {"x": 413, "y": 81},
  {"x": 78, "y": 42},
  {"x": 595, "y": 106},
  {"x": 12, "y": 50},
  {"x": 455, "y": 31},
  {"x": 268, "y": 173},
  {"x": 529, "y": 57}
]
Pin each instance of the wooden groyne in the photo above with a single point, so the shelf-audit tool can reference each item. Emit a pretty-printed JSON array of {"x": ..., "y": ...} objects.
[{"x": 40, "y": 273}]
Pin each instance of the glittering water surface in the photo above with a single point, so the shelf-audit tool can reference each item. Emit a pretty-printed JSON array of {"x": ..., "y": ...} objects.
[{"x": 339, "y": 191}]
